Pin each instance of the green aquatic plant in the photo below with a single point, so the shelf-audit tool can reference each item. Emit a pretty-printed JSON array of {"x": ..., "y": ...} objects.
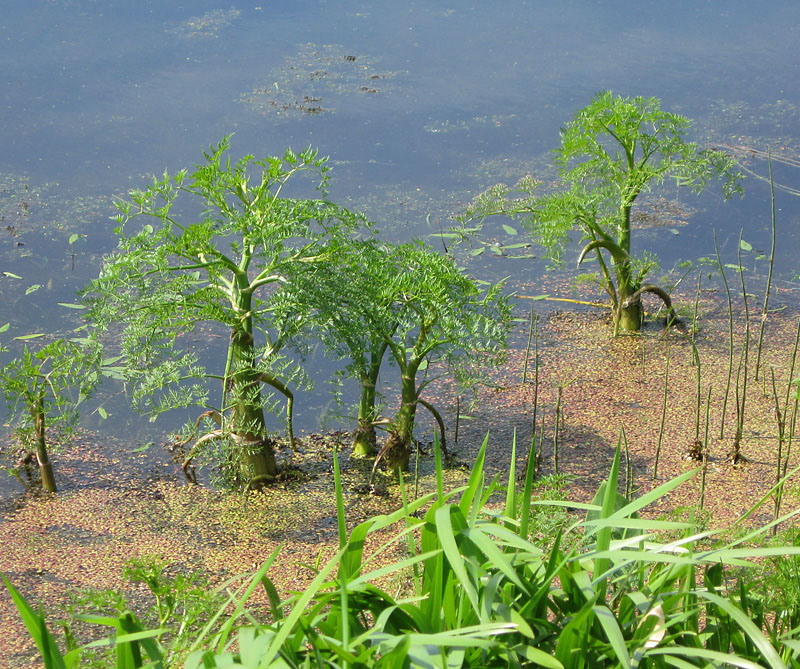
[
  {"x": 217, "y": 260},
  {"x": 43, "y": 388},
  {"x": 446, "y": 322},
  {"x": 611, "y": 152}
]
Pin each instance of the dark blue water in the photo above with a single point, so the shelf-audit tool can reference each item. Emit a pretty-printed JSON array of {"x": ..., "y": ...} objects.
[{"x": 420, "y": 106}]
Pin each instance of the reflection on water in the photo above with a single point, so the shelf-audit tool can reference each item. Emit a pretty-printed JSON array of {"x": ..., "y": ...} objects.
[{"x": 420, "y": 106}]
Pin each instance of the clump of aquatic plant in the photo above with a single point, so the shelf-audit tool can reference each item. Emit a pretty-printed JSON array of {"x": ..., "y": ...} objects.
[
  {"x": 372, "y": 300},
  {"x": 43, "y": 388},
  {"x": 215, "y": 261},
  {"x": 612, "y": 151}
]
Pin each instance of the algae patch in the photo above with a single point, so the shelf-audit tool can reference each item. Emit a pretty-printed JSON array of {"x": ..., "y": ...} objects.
[{"x": 311, "y": 80}]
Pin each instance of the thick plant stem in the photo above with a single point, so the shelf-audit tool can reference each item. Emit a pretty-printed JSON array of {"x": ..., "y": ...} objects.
[
  {"x": 629, "y": 313},
  {"x": 281, "y": 387},
  {"x": 396, "y": 452},
  {"x": 249, "y": 430},
  {"x": 364, "y": 438},
  {"x": 42, "y": 457},
  {"x": 629, "y": 309}
]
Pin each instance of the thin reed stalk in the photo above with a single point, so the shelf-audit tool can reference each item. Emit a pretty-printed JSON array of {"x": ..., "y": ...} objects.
[
  {"x": 628, "y": 465},
  {"x": 742, "y": 372},
  {"x": 730, "y": 339},
  {"x": 663, "y": 415},
  {"x": 785, "y": 435},
  {"x": 705, "y": 451},
  {"x": 556, "y": 427},
  {"x": 780, "y": 418},
  {"x": 696, "y": 305},
  {"x": 528, "y": 348},
  {"x": 698, "y": 395},
  {"x": 458, "y": 418},
  {"x": 771, "y": 266}
]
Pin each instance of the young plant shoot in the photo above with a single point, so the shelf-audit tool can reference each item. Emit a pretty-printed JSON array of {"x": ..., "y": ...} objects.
[
  {"x": 43, "y": 388},
  {"x": 185, "y": 275},
  {"x": 614, "y": 150}
]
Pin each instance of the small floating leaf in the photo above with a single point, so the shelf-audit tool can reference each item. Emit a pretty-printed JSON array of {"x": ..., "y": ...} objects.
[
  {"x": 33, "y": 288},
  {"x": 674, "y": 231},
  {"x": 71, "y": 305},
  {"x": 30, "y": 336},
  {"x": 745, "y": 246},
  {"x": 509, "y": 230},
  {"x": 103, "y": 413},
  {"x": 74, "y": 238},
  {"x": 12, "y": 275},
  {"x": 478, "y": 251}
]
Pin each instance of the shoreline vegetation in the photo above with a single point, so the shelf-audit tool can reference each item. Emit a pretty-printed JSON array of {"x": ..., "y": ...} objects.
[
  {"x": 581, "y": 498},
  {"x": 85, "y": 536}
]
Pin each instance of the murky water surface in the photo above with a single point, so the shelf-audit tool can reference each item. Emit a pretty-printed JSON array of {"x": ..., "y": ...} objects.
[{"x": 420, "y": 106}]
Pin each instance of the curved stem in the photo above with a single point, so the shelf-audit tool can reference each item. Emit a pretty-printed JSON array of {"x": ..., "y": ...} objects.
[
  {"x": 286, "y": 392},
  {"x": 435, "y": 413},
  {"x": 655, "y": 290}
]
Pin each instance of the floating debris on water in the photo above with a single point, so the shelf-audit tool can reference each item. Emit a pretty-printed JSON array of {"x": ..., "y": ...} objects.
[
  {"x": 305, "y": 82},
  {"x": 207, "y": 25}
]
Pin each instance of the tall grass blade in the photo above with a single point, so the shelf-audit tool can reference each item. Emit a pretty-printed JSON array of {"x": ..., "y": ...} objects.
[
  {"x": 511, "y": 486},
  {"x": 614, "y": 634},
  {"x": 299, "y": 607},
  {"x": 437, "y": 453},
  {"x": 450, "y": 520},
  {"x": 35, "y": 624},
  {"x": 755, "y": 635},
  {"x": 525, "y": 503},
  {"x": 475, "y": 483}
]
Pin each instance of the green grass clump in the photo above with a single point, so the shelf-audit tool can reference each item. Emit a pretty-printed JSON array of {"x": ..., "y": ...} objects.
[{"x": 612, "y": 589}]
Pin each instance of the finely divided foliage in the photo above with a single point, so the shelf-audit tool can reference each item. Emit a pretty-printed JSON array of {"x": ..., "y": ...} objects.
[
  {"x": 43, "y": 388},
  {"x": 614, "y": 150},
  {"x": 179, "y": 271},
  {"x": 370, "y": 297}
]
